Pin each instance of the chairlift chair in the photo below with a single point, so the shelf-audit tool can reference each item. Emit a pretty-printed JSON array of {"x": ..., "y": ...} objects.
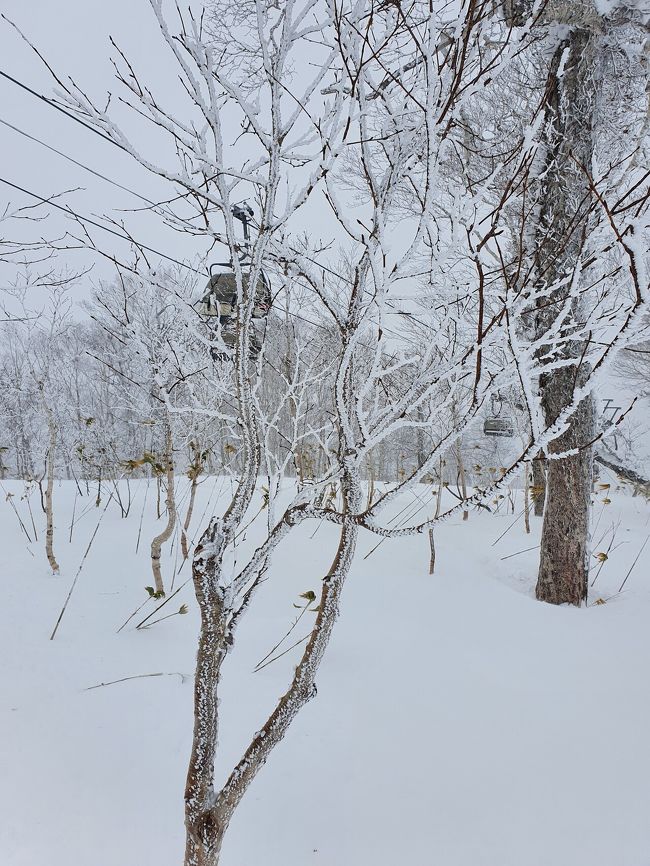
[
  {"x": 220, "y": 298},
  {"x": 497, "y": 425}
]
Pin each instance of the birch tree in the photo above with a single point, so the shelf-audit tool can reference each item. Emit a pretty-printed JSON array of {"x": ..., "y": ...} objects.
[
  {"x": 147, "y": 319},
  {"x": 38, "y": 338}
]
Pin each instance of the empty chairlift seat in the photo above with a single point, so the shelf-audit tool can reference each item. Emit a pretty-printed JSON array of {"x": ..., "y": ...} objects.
[
  {"x": 498, "y": 427},
  {"x": 220, "y": 300}
]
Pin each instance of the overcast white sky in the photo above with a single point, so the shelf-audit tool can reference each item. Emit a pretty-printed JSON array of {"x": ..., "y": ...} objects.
[{"x": 74, "y": 35}]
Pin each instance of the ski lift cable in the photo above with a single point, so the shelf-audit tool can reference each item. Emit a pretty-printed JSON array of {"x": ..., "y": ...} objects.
[
  {"x": 131, "y": 240},
  {"x": 60, "y": 108},
  {"x": 94, "y": 171},
  {"x": 107, "y": 138},
  {"x": 77, "y": 163},
  {"x": 109, "y": 179},
  {"x": 78, "y": 120},
  {"x": 90, "y": 221},
  {"x": 115, "y": 183}
]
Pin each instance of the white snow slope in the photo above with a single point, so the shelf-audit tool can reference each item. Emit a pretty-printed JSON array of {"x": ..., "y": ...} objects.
[{"x": 458, "y": 721}]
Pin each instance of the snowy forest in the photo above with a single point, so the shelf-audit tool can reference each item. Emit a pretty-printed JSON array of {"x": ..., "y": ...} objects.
[{"x": 324, "y": 332}]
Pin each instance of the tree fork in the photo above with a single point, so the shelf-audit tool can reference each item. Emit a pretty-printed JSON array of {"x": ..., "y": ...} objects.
[{"x": 208, "y": 815}]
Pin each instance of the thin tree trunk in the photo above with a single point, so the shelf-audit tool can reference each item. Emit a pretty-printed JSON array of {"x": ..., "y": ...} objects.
[
  {"x": 538, "y": 490},
  {"x": 207, "y": 815},
  {"x": 204, "y": 835},
  {"x": 432, "y": 552},
  {"x": 371, "y": 483},
  {"x": 188, "y": 516},
  {"x": 164, "y": 536},
  {"x": 49, "y": 492},
  {"x": 527, "y": 498},
  {"x": 461, "y": 476},
  {"x": 432, "y": 541}
]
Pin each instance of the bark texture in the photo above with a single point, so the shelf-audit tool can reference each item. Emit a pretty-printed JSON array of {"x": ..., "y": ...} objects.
[
  {"x": 49, "y": 495},
  {"x": 208, "y": 813},
  {"x": 538, "y": 484},
  {"x": 196, "y": 467},
  {"x": 564, "y": 215},
  {"x": 563, "y": 566},
  {"x": 165, "y": 535},
  {"x": 188, "y": 518}
]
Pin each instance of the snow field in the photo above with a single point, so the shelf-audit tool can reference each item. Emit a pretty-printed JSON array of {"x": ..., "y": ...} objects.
[{"x": 458, "y": 722}]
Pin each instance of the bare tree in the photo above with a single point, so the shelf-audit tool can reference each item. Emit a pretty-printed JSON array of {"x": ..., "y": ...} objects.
[
  {"x": 38, "y": 337},
  {"x": 572, "y": 177}
]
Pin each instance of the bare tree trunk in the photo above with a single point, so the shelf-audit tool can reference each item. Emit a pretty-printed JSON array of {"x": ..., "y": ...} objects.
[
  {"x": 49, "y": 494},
  {"x": 538, "y": 491},
  {"x": 188, "y": 517},
  {"x": 164, "y": 536},
  {"x": 527, "y": 498},
  {"x": 564, "y": 214},
  {"x": 204, "y": 834},
  {"x": 48, "y": 500},
  {"x": 196, "y": 467},
  {"x": 432, "y": 552},
  {"x": 564, "y": 566},
  {"x": 158, "y": 486},
  {"x": 207, "y": 815},
  {"x": 432, "y": 541},
  {"x": 371, "y": 483},
  {"x": 462, "y": 479}
]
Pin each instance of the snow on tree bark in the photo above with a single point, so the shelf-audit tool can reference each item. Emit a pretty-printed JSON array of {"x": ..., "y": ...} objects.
[
  {"x": 165, "y": 535},
  {"x": 568, "y": 140},
  {"x": 49, "y": 490}
]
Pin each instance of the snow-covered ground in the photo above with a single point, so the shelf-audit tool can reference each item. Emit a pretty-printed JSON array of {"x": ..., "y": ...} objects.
[{"x": 458, "y": 722}]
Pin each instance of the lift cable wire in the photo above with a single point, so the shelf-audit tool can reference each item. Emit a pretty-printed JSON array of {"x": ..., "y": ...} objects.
[
  {"x": 77, "y": 163},
  {"x": 131, "y": 240},
  {"x": 92, "y": 222},
  {"x": 60, "y": 108},
  {"x": 83, "y": 123},
  {"x": 115, "y": 183}
]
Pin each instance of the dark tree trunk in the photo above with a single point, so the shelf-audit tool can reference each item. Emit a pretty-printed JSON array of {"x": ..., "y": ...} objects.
[
  {"x": 538, "y": 482},
  {"x": 565, "y": 201},
  {"x": 563, "y": 565}
]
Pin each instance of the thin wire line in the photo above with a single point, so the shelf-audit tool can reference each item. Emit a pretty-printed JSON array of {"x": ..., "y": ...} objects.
[
  {"x": 124, "y": 237},
  {"x": 78, "y": 120},
  {"x": 115, "y": 183},
  {"x": 77, "y": 163},
  {"x": 68, "y": 114},
  {"x": 84, "y": 219},
  {"x": 55, "y": 105}
]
